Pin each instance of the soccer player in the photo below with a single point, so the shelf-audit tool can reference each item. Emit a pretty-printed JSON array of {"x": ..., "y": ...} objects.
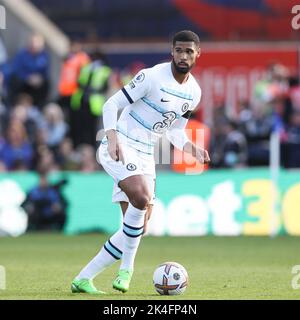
[{"x": 159, "y": 99}]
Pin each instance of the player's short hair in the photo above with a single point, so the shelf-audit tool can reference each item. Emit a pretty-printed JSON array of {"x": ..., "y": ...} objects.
[{"x": 185, "y": 36}]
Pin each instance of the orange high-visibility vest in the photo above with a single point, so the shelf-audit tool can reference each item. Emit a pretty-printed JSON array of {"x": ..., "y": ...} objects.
[
  {"x": 184, "y": 162},
  {"x": 69, "y": 73}
]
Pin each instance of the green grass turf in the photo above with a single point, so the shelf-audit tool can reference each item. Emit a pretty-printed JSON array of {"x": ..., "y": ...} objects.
[{"x": 42, "y": 266}]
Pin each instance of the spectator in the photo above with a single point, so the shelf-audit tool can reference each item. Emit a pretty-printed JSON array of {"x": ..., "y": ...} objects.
[
  {"x": 235, "y": 147},
  {"x": 46, "y": 159},
  {"x": 55, "y": 126},
  {"x": 292, "y": 101},
  {"x": 87, "y": 102},
  {"x": 257, "y": 130},
  {"x": 3, "y": 53},
  {"x": 87, "y": 158},
  {"x": 229, "y": 147},
  {"x": 69, "y": 74},
  {"x": 4, "y": 70},
  {"x": 29, "y": 115},
  {"x": 220, "y": 119},
  {"x": 269, "y": 92},
  {"x": 16, "y": 152},
  {"x": 68, "y": 159},
  {"x": 291, "y": 142},
  {"x": 3, "y": 116},
  {"x": 244, "y": 111},
  {"x": 45, "y": 206},
  {"x": 30, "y": 72}
]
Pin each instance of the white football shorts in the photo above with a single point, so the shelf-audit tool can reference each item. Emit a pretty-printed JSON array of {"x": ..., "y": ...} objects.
[{"x": 135, "y": 163}]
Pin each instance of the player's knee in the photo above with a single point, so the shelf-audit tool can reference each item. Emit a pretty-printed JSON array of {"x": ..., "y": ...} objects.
[{"x": 140, "y": 201}]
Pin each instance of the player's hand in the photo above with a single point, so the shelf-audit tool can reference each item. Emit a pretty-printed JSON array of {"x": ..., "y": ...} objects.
[
  {"x": 202, "y": 155},
  {"x": 114, "y": 148}
]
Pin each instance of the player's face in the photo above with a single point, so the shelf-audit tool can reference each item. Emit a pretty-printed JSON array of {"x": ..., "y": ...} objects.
[{"x": 184, "y": 56}]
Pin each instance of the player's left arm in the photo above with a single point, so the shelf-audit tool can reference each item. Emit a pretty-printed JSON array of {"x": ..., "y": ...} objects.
[{"x": 177, "y": 136}]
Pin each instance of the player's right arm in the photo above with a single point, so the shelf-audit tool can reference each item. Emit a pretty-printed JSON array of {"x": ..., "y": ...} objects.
[{"x": 133, "y": 91}]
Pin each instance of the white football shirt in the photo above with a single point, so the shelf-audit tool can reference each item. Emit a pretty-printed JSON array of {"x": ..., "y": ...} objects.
[{"x": 155, "y": 102}]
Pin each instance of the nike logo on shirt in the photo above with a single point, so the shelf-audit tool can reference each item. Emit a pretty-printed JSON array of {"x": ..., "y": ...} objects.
[{"x": 163, "y": 100}]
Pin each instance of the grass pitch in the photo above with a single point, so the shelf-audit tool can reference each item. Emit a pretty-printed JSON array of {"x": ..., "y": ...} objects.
[{"x": 42, "y": 266}]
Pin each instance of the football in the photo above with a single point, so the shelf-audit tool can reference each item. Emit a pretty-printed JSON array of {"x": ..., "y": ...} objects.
[{"x": 170, "y": 278}]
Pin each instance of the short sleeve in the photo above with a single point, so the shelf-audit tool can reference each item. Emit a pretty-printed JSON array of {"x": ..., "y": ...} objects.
[{"x": 138, "y": 87}]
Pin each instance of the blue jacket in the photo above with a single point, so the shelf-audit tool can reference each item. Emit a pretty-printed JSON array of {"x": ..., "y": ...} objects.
[
  {"x": 46, "y": 198},
  {"x": 25, "y": 64},
  {"x": 9, "y": 154}
]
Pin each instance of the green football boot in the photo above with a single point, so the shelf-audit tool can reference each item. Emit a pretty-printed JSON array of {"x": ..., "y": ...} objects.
[
  {"x": 122, "y": 280},
  {"x": 84, "y": 286}
]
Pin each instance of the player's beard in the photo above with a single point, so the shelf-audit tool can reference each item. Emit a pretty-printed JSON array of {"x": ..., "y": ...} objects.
[{"x": 180, "y": 69}]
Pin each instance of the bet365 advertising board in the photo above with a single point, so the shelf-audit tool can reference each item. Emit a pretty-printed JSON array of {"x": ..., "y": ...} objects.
[{"x": 227, "y": 202}]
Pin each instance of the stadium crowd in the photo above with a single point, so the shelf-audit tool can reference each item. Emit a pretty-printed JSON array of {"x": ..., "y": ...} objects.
[
  {"x": 245, "y": 140},
  {"x": 60, "y": 134}
]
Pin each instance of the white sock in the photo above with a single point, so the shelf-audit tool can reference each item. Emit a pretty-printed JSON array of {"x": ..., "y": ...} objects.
[
  {"x": 132, "y": 231},
  {"x": 108, "y": 255}
]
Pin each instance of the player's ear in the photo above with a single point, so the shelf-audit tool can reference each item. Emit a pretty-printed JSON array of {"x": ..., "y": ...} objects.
[{"x": 199, "y": 52}]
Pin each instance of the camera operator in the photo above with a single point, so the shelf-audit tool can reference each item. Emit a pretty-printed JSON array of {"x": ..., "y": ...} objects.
[{"x": 46, "y": 206}]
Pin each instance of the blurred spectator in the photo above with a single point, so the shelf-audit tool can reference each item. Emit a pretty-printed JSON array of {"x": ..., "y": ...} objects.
[
  {"x": 217, "y": 138},
  {"x": 3, "y": 53},
  {"x": 87, "y": 158},
  {"x": 3, "y": 115},
  {"x": 87, "y": 102},
  {"x": 55, "y": 127},
  {"x": 45, "y": 206},
  {"x": 292, "y": 101},
  {"x": 29, "y": 115},
  {"x": 269, "y": 92},
  {"x": 229, "y": 147},
  {"x": 235, "y": 146},
  {"x": 45, "y": 159},
  {"x": 291, "y": 142},
  {"x": 30, "y": 72},
  {"x": 244, "y": 111},
  {"x": 4, "y": 68},
  {"x": 219, "y": 113},
  {"x": 68, "y": 81},
  {"x": 16, "y": 152},
  {"x": 68, "y": 158},
  {"x": 257, "y": 130}
]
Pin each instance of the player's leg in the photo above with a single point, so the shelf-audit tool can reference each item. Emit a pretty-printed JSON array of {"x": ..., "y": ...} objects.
[
  {"x": 137, "y": 191},
  {"x": 112, "y": 249},
  {"x": 110, "y": 252},
  {"x": 124, "y": 206},
  {"x": 147, "y": 217}
]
